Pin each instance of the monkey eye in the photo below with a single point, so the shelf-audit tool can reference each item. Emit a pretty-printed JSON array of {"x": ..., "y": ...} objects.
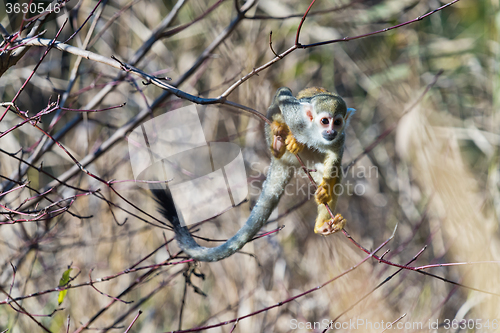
[
  {"x": 325, "y": 121},
  {"x": 337, "y": 122}
]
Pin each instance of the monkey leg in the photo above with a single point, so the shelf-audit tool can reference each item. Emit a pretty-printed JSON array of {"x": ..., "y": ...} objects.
[
  {"x": 279, "y": 132},
  {"x": 325, "y": 194},
  {"x": 293, "y": 145}
]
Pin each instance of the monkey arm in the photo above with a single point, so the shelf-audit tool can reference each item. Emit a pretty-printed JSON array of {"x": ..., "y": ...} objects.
[{"x": 272, "y": 189}]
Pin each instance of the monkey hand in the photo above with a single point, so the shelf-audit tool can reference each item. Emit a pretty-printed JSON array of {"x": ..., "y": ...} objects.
[
  {"x": 331, "y": 226},
  {"x": 323, "y": 193},
  {"x": 280, "y": 132},
  {"x": 280, "y": 129},
  {"x": 293, "y": 145}
]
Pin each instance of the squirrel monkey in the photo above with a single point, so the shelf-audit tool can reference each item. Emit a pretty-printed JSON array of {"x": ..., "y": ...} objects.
[{"x": 311, "y": 124}]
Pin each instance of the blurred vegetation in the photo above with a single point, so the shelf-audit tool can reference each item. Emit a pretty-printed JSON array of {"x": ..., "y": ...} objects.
[{"x": 437, "y": 176}]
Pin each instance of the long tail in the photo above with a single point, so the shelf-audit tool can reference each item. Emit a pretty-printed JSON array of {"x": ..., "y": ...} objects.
[{"x": 272, "y": 189}]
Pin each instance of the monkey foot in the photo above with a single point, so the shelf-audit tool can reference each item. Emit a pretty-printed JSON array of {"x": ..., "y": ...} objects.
[
  {"x": 331, "y": 226},
  {"x": 293, "y": 145},
  {"x": 322, "y": 196}
]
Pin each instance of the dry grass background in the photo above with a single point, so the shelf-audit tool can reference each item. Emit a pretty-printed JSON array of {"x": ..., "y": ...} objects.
[{"x": 437, "y": 175}]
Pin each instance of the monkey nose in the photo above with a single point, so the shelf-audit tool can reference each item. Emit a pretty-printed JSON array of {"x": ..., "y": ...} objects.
[{"x": 329, "y": 135}]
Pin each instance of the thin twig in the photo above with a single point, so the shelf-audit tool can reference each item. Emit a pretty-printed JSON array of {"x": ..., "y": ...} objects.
[
  {"x": 347, "y": 39},
  {"x": 133, "y": 321}
]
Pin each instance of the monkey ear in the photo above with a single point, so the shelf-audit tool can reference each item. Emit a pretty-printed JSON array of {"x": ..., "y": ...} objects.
[
  {"x": 308, "y": 110},
  {"x": 350, "y": 112}
]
